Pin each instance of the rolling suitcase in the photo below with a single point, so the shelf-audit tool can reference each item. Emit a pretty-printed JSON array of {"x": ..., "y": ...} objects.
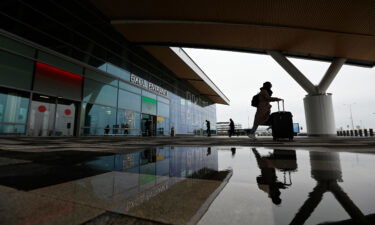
[{"x": 282, "y": 124}]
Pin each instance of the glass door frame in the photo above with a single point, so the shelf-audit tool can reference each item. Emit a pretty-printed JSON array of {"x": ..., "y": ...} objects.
[{"x": 54, "y": 100}]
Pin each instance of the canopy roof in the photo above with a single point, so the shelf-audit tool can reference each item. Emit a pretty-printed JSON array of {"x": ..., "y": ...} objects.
[{"x": 318, "y": 29}]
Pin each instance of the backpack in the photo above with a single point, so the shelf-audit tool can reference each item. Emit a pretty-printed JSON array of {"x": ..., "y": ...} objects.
[{"x": 255, "y": 101}]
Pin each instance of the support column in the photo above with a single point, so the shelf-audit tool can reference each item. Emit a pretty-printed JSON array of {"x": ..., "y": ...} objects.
[
  {"x": 318, "y": 105},
  {"x": 320, "y": 120}
]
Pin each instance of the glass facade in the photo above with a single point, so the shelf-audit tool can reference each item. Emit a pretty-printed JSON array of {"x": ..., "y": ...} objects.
[
  {"x": 148, "y": 105},
  {"x": 129, "y": 122},
  {"x": 13, "y": 111},
  {"x": 56, "y": 84},
  {"x": 16, "y": 71},
  {"x": 99, "y": 119}
]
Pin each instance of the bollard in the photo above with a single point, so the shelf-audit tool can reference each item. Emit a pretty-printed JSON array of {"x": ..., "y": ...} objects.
[
  {"x": 347, "y": 133},
  {"x": 344, "y": 133},
  {"x": 338, "y": 133},
  {"x": 371, "y": 132},
  {"x": 365, "y": 131},
  {"x": 356, "y": 133},
  {"x": 351, "y": 133},
  {"x": 360, "y": 132}
]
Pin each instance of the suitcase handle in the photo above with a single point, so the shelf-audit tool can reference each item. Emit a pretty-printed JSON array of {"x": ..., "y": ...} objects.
[{"x": 278, "y": 105}]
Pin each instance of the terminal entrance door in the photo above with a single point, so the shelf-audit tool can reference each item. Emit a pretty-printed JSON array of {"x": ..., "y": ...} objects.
[
  {"x": 51, "y": 116},
  {"x": 148, "y": 125}
]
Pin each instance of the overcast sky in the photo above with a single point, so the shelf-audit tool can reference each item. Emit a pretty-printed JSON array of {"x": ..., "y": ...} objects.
[{"x": 240, "y": 75}]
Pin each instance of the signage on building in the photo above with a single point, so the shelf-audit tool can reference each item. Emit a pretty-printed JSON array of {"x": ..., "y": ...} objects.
[{"x": 147, "y": 85}]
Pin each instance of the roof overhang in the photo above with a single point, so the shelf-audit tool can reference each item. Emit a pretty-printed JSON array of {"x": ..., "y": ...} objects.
[
  {"x": 186, "y": 69},
  {"x": 318, "y": 29}
]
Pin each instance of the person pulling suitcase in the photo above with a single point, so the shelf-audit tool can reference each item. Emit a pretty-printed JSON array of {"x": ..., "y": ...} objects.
[{"x": 262, "y": 102}]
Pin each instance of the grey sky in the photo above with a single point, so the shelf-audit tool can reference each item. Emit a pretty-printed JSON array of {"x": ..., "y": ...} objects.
[{"x": 240, "y": 75}]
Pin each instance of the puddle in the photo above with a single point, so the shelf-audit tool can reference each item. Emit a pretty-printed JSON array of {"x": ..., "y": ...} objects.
[{"x": 204, "y": 185}]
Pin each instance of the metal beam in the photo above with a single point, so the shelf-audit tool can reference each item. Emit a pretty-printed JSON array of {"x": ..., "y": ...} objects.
[
  {"x": 330, "y": 75},
  {"x": 293, "y": 72}
]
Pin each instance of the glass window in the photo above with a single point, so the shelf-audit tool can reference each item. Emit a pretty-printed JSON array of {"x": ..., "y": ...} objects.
[
  {"x": 148, "y": 105},
  {"x": 148, "y": 94},
  {"x": 164, "y": 100},
  {"x": 117, "y": 71},
  {"x": 129, "y": 87},
  {"x": 55, "y": 81},
  {"x": 17, "y": 47},
  {"x": 101, "y": 77},
  {"x": 103, "y": 67},
  {"x": 60, "y": 63},
  {"x": 127, "y": 100},
  {"x": 12, "y": 129},
  {"x": 163, "y": 109},
  {"x": 162, "y": 126},
  {"x": 99, "y": 120},
  {"x": 97, "y": 92},
  {"x": 129, "y": 122},
  {"x": 15, "y": 71},
  {"x": 13, "y": 107},
  {"x": 13, "y": 111}
]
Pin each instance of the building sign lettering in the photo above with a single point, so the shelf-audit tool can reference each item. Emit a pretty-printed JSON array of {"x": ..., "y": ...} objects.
[{"x": 147, "y": 85}]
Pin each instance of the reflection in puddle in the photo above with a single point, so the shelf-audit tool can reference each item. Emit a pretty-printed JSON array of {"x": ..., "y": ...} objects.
[
  {"x": 179, "y": 185},
  {"x": 311, "y": 191},
  {"x": 283, "y": 160}
]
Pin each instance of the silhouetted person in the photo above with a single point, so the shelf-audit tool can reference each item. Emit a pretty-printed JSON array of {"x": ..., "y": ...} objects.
[
  {"x": 233, "y": 150},
  {"x": 126, "y": 129},
  {"x": 267, "y": 181},
  {"x": 208, "y": 151},
  {"x": 107, "y": 129},
  {"x": 148, "y": 127},
  {"x": 262, "y": 116},
  {"x": 208, "y": 125},
  {"x": 231, "y": 128}
]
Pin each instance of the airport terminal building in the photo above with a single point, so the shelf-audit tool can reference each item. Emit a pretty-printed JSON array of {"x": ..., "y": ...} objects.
[{"x": 65, "y": 71}]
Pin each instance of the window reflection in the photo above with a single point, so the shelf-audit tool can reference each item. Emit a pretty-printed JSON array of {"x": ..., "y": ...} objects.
[
  {"x": 129, "y": 122},
  {"x": 97, "y": 92},
  {"x": 13, "y": 111},
  {"x": 99, "y": 119}
]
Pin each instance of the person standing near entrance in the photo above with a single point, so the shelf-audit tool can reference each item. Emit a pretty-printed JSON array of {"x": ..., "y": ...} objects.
[
  {"x": 208, "y": 125},
  {"x": 148, "y": 127},
  {"x": 262, "y": 115},
  {"x": 231, "y": 128},
  {"x": 126, "y": 129},
  {"x": 107, "y": 129}
]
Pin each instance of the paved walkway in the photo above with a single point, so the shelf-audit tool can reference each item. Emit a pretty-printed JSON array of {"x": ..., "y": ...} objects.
[{"x": 121, "y": 143}]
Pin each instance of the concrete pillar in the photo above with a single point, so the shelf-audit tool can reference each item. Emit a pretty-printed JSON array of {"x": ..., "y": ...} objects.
[{"x": 319, "y": 115}]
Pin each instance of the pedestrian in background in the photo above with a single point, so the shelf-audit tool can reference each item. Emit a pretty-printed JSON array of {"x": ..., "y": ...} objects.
[
  {"x": 208, "y": 125},
  {"x": 231, "y": 128}
]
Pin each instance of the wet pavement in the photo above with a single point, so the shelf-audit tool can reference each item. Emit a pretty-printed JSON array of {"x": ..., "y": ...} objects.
[{"x": 187, "y": 185}]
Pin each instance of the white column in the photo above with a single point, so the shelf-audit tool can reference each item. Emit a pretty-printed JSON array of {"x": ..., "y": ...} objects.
[{"x": 320, "y": 120}]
